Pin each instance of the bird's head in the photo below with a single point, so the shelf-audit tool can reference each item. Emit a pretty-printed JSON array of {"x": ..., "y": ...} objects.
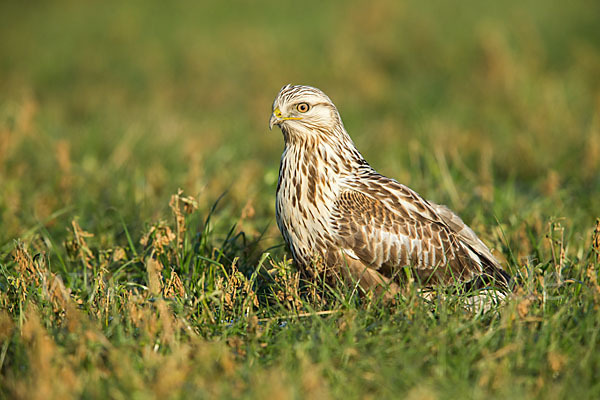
[{"x": 304, "y": 111}]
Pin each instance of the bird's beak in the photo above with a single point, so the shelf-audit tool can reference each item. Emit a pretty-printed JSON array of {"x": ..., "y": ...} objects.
[{"x": 276, "y": 118}]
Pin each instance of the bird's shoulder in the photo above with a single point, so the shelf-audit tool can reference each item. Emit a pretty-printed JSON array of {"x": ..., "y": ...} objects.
[{"x": 391, "y": 196}]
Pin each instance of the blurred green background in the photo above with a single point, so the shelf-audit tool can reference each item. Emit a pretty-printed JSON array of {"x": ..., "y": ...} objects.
[{"x": 108, "y": 107}]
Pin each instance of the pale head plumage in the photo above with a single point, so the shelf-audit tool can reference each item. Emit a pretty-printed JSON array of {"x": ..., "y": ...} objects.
[
  {"x": 332, "y": 207},
  {"x": 321, "y": 117},
  {"x": 286, "y": 111}
]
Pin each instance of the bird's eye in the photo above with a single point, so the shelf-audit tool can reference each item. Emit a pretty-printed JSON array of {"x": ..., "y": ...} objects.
[{"x": 303, "y": 107}]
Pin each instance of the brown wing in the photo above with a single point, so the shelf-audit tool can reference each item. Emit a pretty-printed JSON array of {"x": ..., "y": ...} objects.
[
  {"x": 387, "y": 237},
  {"x": 466, "y": 235}
]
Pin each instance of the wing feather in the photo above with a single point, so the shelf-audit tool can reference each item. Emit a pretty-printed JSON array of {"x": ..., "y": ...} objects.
[{"x": 387, "y": 236}]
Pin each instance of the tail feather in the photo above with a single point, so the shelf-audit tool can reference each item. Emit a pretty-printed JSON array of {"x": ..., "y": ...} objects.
[{"x": 493, "y": 272}]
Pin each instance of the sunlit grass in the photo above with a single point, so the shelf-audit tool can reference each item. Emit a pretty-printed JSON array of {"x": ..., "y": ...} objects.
[{"x": 114, "y": 283}]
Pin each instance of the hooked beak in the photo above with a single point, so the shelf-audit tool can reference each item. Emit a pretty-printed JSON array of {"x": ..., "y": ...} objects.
[{"x": 276, "y": 118}]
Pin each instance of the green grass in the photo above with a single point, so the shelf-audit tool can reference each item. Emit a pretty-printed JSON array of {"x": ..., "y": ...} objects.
[{"x": 114, "y": 284}]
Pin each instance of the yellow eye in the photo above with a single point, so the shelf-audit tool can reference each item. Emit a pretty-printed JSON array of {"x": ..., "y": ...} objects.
[{"x": 303, "y": 107}]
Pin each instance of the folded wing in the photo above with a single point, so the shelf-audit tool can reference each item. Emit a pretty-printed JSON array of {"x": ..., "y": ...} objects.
[{"x": 389, "y": 233}]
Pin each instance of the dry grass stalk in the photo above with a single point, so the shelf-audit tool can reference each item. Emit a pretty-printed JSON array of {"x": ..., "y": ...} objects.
[
  {"x": 287, "y": 288},
  {"x": 80, "y": 246},
  {"x": 237, "y": 291},
  {"x": 179, "y": 205},
  {"x": 154, "y": 268},
  {"x": 592, "y": 269},
  {"x": 159, "y": 237}
]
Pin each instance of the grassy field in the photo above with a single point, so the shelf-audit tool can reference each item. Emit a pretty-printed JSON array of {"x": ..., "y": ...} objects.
[{"x": 139, "y": 255}]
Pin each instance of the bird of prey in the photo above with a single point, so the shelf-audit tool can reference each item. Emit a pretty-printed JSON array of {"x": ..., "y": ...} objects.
[{"x": 333, "y": 208}]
